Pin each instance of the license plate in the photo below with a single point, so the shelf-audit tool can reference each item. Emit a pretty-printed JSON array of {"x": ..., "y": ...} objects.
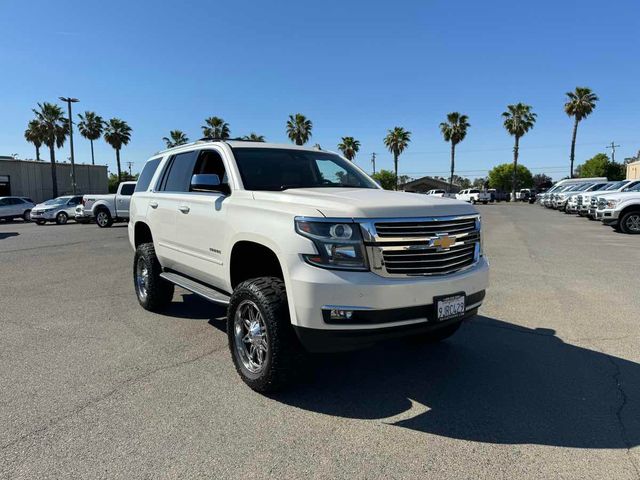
[{"x": 452, "y": 306}]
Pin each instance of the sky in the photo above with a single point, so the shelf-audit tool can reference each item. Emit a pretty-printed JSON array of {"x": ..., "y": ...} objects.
[{"x": 354, "y": 68}]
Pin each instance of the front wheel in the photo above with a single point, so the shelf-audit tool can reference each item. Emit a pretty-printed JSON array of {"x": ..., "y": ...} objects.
[
  {"x": 153, "y": 292},
  {"x": 103, "y": 219},
  {"x": 630, "y": 222},
  {"x": 263, "y": 345}
]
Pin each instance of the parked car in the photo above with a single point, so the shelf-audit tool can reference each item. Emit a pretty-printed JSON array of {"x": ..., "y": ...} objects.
[
  {"x": 108, "y": 208},
  {"x": 57, "y": 210},
  {"x": 570, "y": 201},
  {"x": 16, "y": 207},
  {"x": 304, "y": 249},
  {"x": 436, "y": 193},
  {"x": 621, "y": 210},
  {"x": 547, "y": 198},
  {"x": 591, "y": 201},
  {"x": 473, "y": 195},
  {"x": 498, "y": 195},
  {"x": 526, "y": 195}
]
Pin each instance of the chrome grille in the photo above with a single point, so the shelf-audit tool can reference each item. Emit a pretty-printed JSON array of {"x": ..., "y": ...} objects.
[
  {"x": 579, "y": 200},
  {"x": 422, "y": 246}
]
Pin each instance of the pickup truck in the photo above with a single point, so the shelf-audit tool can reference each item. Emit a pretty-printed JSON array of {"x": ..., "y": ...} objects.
[
  {"x": 304, "y": 249},
  {"x": 474, "y": 195},
  {"x": 620, "y": 210},
  {"x": 106, "y": 209}
]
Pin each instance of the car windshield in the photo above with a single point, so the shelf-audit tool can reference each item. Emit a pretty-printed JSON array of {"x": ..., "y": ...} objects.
[
  {"x": 281, "y": 169},
  {"x": 57, "y": 201},
  {"x": 633, "y": 188},
  {"x": 615, "y": 185}
]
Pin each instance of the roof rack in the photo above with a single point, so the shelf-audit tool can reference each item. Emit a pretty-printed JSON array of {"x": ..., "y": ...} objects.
[{"x": 237, "y": 139}]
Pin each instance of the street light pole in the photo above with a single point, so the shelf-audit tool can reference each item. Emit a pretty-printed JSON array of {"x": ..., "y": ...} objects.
[{"x": 69, "y": 101}]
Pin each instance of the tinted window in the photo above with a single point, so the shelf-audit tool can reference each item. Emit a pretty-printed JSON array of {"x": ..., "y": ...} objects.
[
  {"x": 178, "y": 177},
  {"x": 147, "y": 174},
  {"x": 127, "y": 189},
  {"x": 4, "y": 201},
  {"x": 474, "y": 191},
  {"x": 16, "y": 201}
]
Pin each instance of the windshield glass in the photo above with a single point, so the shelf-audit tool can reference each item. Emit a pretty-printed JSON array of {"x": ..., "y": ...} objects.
[
  {"x": 616, "y": 185},
  {"x": 57, "y": 201},
  {"x": 633, "y": 188},
  {"x": 280, "y": 169}
]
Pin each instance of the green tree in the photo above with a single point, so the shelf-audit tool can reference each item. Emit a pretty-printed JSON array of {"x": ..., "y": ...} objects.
[
  {"x": 117, "y": 133},
  {"x": 580, "y": 103},
  {"x": 91, "y": 127},
  {"x": 542, "y": 181},
  {"x": 501, "y": 177},
  {"x": 600, "y": 166},
  {"x": 386, "y": 179},
  {"x": 462, "y": 182},
  {"x": 479, "y": 183},
  {"x": 518, "y": 120},
  {"x": 299, "y": 129},
  {"x": 175, "y": 138},
  {"x": 254, "y": 137},
  {"x": 215, "y": 128},
  {"x": 34, "y": 134},
  {"x": 349, "y": 146},
  {"x": 55, "y": 128},
  {"x": 397, "y": 140},
  {"x": 454, "y": 130}
]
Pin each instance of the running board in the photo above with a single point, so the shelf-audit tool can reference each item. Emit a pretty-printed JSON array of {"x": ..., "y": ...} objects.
[{"x": 198, "y": 288}]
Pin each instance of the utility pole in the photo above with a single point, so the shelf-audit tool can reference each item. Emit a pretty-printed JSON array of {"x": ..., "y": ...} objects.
[
  {"x": 130, "y": 164},
  {"x": 613, "y": 146},
  {"x": 373, "y": 161},
  {"x": 69, "y": 101}
]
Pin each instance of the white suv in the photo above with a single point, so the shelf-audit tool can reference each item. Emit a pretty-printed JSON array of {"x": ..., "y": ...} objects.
[{"x": 305, "y": 249}]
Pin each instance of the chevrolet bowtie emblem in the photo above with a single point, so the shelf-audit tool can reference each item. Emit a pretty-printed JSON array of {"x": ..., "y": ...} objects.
[{"x": 444, "y": 242}]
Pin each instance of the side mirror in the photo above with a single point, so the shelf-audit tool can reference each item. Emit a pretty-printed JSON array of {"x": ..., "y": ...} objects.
[{"x": 206, "y": 182}]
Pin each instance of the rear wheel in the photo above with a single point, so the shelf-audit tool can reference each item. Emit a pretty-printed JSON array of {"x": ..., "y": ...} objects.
[
  {"x": 103, "y": 218},
  {"x": 26, "y": 216},
  {"x": 153, "y": 292},
  {"x": 62, "y": 218},
  {"x": 264, "y": 347},
  {"x": 630, "y": 222}
]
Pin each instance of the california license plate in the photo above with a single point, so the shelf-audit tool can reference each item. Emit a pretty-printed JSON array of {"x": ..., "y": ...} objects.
[{"x": 452, "y": 306}]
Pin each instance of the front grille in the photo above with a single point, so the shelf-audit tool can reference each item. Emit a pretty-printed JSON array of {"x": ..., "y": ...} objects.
[
  {"x": 594, "y": 202},
  {"x": 424, "y": 228},
  {"x": 423, "y": 246},
  {"x": 579, "y": 200}
]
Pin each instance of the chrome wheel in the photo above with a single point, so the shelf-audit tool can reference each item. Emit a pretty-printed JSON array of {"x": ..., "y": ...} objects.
[
  {"x": 61, "y": 219},
  {"x": 102, "y": 218},
  {"x": 632, "y": 222},
  {"x": 250, "y": 335},
  {"x": 142, "y": 279}
]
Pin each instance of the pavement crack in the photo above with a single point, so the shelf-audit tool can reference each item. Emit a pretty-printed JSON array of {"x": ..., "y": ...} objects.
[{"x": 123, "y": 384}]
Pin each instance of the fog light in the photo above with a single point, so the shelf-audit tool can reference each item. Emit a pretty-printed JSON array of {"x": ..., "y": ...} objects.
[{"x": 337, "y": 314}]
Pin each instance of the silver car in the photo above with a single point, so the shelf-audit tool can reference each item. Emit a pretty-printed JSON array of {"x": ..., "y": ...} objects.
[
  {"x": 16, "y": 207},
  {"x": 57, "y": 210}
]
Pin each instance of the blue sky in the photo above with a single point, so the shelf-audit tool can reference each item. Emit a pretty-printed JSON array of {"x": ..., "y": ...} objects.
[{"x": 354, "y": 68}]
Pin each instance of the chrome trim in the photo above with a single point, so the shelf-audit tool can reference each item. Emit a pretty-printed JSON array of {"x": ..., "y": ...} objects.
[{"x": 344, "y": 307}]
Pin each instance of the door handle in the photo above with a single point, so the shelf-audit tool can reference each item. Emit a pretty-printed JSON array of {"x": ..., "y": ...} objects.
[
  {"x": 184, "y": 209},
  {"x": 153, "y": 204}
]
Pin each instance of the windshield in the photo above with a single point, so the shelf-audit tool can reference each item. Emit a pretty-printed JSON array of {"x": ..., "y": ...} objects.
[
  {"x": 633, "y": 188},
  {"x": 616, "y": 185},
  {"x": 282, "y": 169},
  {"x": 57, "y": 201}
]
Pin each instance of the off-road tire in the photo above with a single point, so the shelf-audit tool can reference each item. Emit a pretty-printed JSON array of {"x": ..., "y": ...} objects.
[
  {"x": 103, "y": 218},
  {"x": 62, "y": 218},
  {"x": 284, "y": 355},
  {"x": 624, "y": 224},
  {"x": 159, "y": 292},
  {"x": 439, "y": 334}
]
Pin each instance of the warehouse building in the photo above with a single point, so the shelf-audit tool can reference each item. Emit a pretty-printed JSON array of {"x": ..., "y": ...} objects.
[{"x": 28, "y": 178}]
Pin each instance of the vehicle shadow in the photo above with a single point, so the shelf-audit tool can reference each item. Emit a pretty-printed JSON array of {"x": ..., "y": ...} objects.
[
  {"x": 4, "y": 235},
  {"x": 191, "y": 306},
  {"x": 492, "y": 382}
]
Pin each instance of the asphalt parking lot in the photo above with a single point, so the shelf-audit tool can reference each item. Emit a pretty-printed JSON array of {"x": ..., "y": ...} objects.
[{"x": 545, "y": 383}]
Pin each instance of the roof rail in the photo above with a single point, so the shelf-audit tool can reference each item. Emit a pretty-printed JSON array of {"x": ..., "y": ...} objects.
[{"x": 237, "y": 139}]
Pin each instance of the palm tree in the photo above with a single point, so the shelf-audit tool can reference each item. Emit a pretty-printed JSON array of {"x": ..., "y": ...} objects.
[
  {"x": 254, "y": 137},
  {"x": 396, "y": 141},
  {"x": 454, "y": 130},
  {"x": 518, "y": 120},
  {"x": 34, "y": 134},
  {"x": 91, "y": 127},
  {"x": 349, "y": 147},
  {"x": 299, "y": 129},
  {"x": 117, "y": 134},
  {"x": 176, "y": 137},
  {"x": 581, "y": 102},
  {"x": 216, "y": 128},
  {"x": 55, "y": 128}
]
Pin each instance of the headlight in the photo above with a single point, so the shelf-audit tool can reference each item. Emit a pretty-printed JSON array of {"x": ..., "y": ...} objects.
[
  {"x": 339, "y": 244},
  {"x": 612, "y": 203}
]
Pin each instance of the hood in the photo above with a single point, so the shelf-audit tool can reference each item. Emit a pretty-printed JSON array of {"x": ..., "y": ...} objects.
[
  {"x": 620, "y": 195},
  {"x": 369, "y": 202}
]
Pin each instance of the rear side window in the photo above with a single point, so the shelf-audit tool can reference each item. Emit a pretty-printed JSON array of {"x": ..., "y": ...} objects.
[
  {"x": 127, "y": 189},
  {"x": 178, "y": 176},
  {"x": 147, "y": 174}
]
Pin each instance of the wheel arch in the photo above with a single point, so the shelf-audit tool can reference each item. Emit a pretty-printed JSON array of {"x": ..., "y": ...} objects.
[
  {"x": 251, "y": 259},
  {"x": 142, "y": 234}
]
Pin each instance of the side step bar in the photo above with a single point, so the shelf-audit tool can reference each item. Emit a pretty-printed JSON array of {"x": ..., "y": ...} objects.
[{"x": 198, "y": 288}]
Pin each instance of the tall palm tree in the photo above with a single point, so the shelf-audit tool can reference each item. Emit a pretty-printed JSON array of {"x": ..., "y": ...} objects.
[
  {"x": 454, "y": 130},
  {"x": 34, "y": 134},
  {"x": 349, "y": 147},
  {"x": 299, "y": 129},
  {"x": 176, "y": 137},
  {"x": 580, "y": 103},
  {"x": 397, "y": 140},
  {"x": 254, "y": 137},
  {"x": 55, "y": 128},
  {"x": 117, "y": 134},
  {"x": 91, "y": 127},
  {"x": 216, "y": 128},
  {"x": 518, "y": 120}
]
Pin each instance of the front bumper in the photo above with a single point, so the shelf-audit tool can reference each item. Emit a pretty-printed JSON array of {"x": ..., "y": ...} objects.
[
  {"x": 43, "y": 215},
  {"x": 608, "y": 217}
]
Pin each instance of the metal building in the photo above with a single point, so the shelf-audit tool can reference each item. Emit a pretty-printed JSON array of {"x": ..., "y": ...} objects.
[{"x": 28, "y": 178}]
